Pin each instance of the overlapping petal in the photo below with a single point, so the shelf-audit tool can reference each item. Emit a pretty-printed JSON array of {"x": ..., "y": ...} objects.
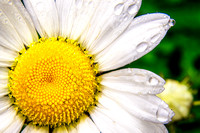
[
  {"x": 109, "y": 116},
  {"x": 6, "y": 118},
  {"x": 30, "y": 128},
  {"x": 145, "y": 107},
  {"x": 110, "y": 20},
  {"x": 61, "y": 129},
  {"x": 135, "y": 81},
  {"x": 44, "y": 15},
  {"x": 16, "y": 125},
  {"x": 5, "y": 103},
  {"x": 144, "y": 33},
  {"x": 86, "y": 125},
  {"x": 16, "y": 26}
]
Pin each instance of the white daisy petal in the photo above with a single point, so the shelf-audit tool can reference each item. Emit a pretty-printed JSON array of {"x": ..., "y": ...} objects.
[
  {"x": 7, "y": 55},
  {"x": 145, "y": 107},
  {"x": 9, "y": 38},
  {"x": 72, "y": 129},
  {"x": 6, "y": 63},
  {"x": 16, "y": 125},
  {"x": 87, "y": 126},
  {"x": 75, "y": 16},
  {"x": 61, "y": 129},
  {"x": 144, "y": 33},
  {"x": 3, "y": 91},
  {"x": 3, "y": 83},
  {"x": 5, "y": 103},
  {"x": 110, "y": 20},
  {"x": 35, "y": 129},
  {"x": 4, "y": 73},
  {"x": 64, "y": 11},
  {"x": 6, "y": 118},
  {"x": 135, "y": 81},
  {"x": 118, "y": 115},
  {"x": 105, "y": 124},
  {"x": 44, "y": 16},
  {"x": 19, "y": 19}
]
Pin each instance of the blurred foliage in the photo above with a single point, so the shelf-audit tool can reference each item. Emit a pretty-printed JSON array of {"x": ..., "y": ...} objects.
[{"x": 178, "y": 54}]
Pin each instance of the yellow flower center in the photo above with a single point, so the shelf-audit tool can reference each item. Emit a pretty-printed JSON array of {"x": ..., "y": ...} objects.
[{"x": 53, "y": 82}]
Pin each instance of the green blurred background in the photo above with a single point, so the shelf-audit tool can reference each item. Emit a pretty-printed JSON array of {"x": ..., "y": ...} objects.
[{"x": 178, "y": 55}]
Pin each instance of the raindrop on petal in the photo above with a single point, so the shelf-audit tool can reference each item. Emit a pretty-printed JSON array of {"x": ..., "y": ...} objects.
[
  {"x": 142, "y": 47},
  {"x": 153, "y": 81},
  {"x": 10, "y": 2},
  {"x": 119, "y": 9},
  {"x": 172, "y": 22},
  {"x": 132, "y": 9},
  {"x": 155, "y": 38}
]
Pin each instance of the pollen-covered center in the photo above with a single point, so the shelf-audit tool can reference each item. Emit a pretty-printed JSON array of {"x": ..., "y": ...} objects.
[{"x": 53, "y": 82}]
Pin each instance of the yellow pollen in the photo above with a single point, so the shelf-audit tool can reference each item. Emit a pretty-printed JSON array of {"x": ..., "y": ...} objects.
[{"x": 54, "y": 82}]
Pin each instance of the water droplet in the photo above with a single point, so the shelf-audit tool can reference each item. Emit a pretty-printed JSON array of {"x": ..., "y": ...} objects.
[
  {"x": 19, "y": 17},
  {"x": 5, "y": 21},
  {"x": 172, "y": 22},
  {"x": 119, "y": 9},
  {"x": 155, "y": 38},
  {"x": 161, "y": 115},
  {"x": 153, "y": 81},
  {"x": 10, "y": 2},
  {"x": 132, "y": 9},
  {"x": 142, "y": 47}
]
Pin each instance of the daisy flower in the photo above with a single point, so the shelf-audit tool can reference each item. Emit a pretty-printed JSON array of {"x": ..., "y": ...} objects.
[{"x": 57, "y": 66}]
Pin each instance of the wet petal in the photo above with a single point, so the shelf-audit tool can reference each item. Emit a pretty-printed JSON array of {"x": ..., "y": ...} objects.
[
  {"x": 19, "y": 20},
  {"x": 110, "y": 20},
  {"x": 111, "y": 117},
  {"x": 143, "y": 34},
  {"x": 145, "y": 107},
  {"x": 135, "y": 81}
]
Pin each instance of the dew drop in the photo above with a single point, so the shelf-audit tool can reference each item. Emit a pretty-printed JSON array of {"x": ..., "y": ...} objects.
[
  {"x": 18, "y": 17},
  {"x": 132, "y": 9},
  {"x": 119, "y": 9},
  {"x": 10, "y": 3},
  {"x": 172, "y": 22},
  {"x": 155, "y": 38},
  {"x": 160, "y": 116},
  {"x": 5, "y": 21},
  {"x": 153, "y": 81},
  {"x": 142, "y": 47}
]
